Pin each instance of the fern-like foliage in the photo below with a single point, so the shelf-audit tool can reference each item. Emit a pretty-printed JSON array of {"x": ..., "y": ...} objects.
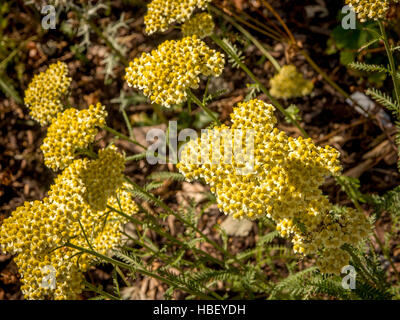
[
  {"x": 361, "y": 66},
  {"x": 389, "y": 202},
  {"x": 166, "y": 175},
  {"x": 235, "y": 51},
  {"x": 293, "y": 286},
  {"x": 371, "y": 278},
  {"x": 384, "y": 100},
  {"x": 393, "y": 106}
]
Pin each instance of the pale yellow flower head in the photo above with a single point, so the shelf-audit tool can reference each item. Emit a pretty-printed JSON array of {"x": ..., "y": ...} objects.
[
  {"x": 256, "y": 170},
  {"x": 201, "y": 24},
  {"x": 38, "y": 231},
  {"x": 71, "y": 130},
  {"x": 46, "y": 91},
  {"x": 289, "y": 83},
  {"x": 162, "y": 13},
  {"x": 165, "y": 74},
  {"x": 267, "y": 174},
  {"x": 371, "y": 9},
  {"x": 103, "y": 176}
]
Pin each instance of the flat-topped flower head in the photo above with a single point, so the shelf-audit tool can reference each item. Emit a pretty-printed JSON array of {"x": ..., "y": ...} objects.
[
  {"x": 289, "y": 83},
  {"x": 46, "y": 91},
  {"x": 38, "y": 231},
  {"x": 201, "y": 25},
  {"x": 256, "y": 170},
  {"x": 103, "y": 176},
  {"x": 371, "y": 9},
  {"x": 71, "y": 130},
  {"x": 162, "y": 13},
  {"x": 165, "y": 74}
]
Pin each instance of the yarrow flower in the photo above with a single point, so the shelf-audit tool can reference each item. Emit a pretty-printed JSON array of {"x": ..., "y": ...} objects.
[
  {"x": 371, "y": 9},
  {"x": 162, "y": 13},
  {"x": 289, "y": 83},
  {"x": 174, "y": 67},
  {"x": 103, "y": 177},
  {"x": 38, "y": 231},
  {"x": 46, "y": 91},
  {"x": 255, "y": 170},
  {"x": 71, "y": 130},
  {"x": 201, "y": 24}
]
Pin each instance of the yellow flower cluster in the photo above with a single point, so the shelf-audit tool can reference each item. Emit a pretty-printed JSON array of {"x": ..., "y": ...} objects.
[
  {"x": 103, "y": 176},
  {"x": 201, "y": 24},
  {"x": 324, "y": 233},
  {"x": 254, "y": 170},
  {"x": 46, "y": 91},
  {"x": 168, "y": 72},
  {"x": 38, "y": 231},
  {"x": 370, "y": 9},
  {"x": 289, "y": 83},
  {"x": 162, "y": 13},
  {"x": 71, "y": 130}
]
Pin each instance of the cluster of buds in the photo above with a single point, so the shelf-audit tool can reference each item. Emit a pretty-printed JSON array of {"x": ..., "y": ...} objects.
[
  {"x": 290, "y": 83},
  {"x": 371, "y": 9},
  {"x": 162, "y": 13},
  {"x": 72, "y": 130},
  {"x": 39, "y": 232},
  {"x": 45, "y": 93},
  {"x": 168, "y": 72},
  {"x": 201, "y": 25},
  {"x": 81, "y": 208}
]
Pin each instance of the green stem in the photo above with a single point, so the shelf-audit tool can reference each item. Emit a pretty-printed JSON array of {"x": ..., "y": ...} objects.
[
  {"x": 127, "y": 122},
  {"x": 392, "y": 64},
  {"x": 225, "y": 252},
  {"x": 123, "y": 137},
  {"x": 387, "y": 256},
  {"x": 203, "y": 106},
  {"x": 140, "y": 270},
  {"x": 166, "y": 235},
  {"x": 250, "y": 37},
  {"x": 159, "y": 113},
  {"x": 220, "y": 43}
]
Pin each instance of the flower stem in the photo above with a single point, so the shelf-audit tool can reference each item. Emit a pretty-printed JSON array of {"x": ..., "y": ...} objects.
[
  {"x": 392, "y": 64},
  {"x": 250, "y": 37},
  {"x": 275, "y": 102},
  {"x": 137, "y": 269},
  {"x": 127, "y": 122},
  {"x": 123, "y": 137},
  {"x": 203, "y": 106}
]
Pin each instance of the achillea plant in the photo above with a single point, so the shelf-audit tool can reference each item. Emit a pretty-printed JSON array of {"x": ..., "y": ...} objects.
[
  {"x": 255, "y": 171},
  {"x": 371, "y": 9},
  {"x": 290, "y": 83},
  {"x": 279, "y": 178},
  {"x": 39, "y": 233},
  {"x": 70, "y": 131},
  {"x": 201, "y": 25},
  {"x": 46, "y": 91},
  {"x": 168, "y": 72},
  {"x": 163, "y": 13}
]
